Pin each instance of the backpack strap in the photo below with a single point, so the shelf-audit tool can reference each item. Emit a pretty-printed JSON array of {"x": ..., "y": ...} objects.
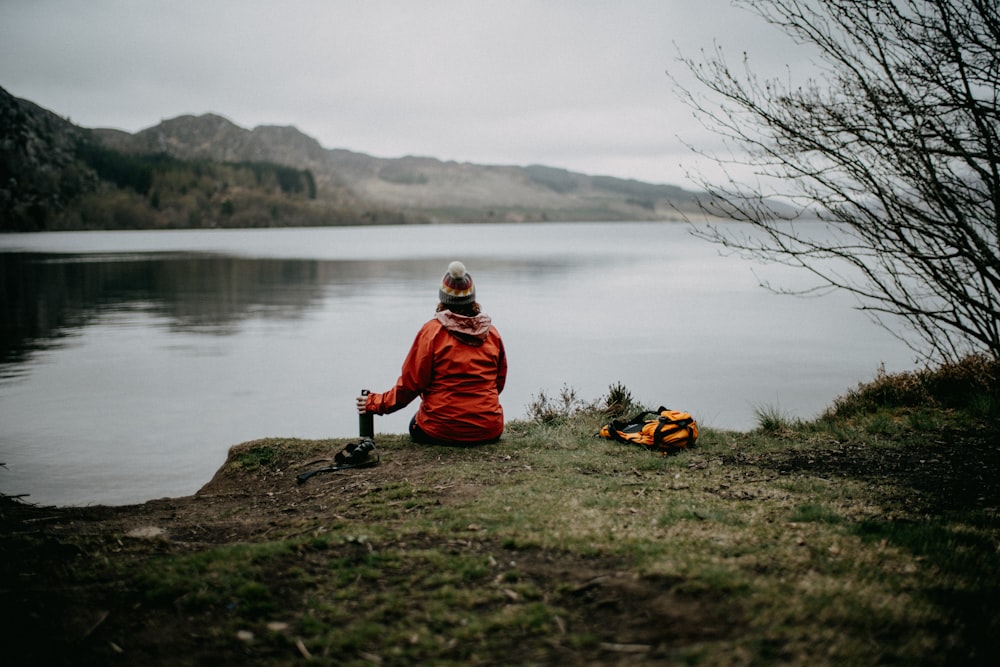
[
  {"x": 617, "y": 427},
  {"x": 614, "y": 429},
  {"x": 667, "y": 426}
]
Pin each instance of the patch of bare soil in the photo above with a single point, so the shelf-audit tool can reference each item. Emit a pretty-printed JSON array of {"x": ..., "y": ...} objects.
[{"x": 946, "y": 471}]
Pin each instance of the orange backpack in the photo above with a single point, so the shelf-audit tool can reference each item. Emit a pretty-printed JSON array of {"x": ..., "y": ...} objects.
[{"x": 670, "y": 432}]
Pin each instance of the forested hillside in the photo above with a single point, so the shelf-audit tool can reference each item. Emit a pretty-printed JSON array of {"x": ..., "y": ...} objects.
[
  {"x": 56, "y": 176},
  {"x": 205, "y": 171}
]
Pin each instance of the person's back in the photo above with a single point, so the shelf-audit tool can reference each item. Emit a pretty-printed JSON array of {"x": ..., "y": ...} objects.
[{"x": 457, "y": 365}]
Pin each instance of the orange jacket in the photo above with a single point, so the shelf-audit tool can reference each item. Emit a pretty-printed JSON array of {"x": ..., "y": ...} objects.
[{"x": 458, "y": 381}]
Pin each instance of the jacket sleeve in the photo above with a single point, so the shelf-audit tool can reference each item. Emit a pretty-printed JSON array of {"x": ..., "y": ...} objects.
[
  {"x": 416, "y": 375},
  {"x": 501, "y": 366}
]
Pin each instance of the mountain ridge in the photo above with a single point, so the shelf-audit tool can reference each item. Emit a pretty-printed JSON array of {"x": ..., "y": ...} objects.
[
  {"x": 421, "y": 185},
  {"x": 358, "y": 187}
]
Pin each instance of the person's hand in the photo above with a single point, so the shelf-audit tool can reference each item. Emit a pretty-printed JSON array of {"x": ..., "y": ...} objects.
[{"x": 362, "y": 402}]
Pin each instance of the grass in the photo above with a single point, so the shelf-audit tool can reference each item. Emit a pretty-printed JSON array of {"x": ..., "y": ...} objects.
[{"x": 867, "y": 536}]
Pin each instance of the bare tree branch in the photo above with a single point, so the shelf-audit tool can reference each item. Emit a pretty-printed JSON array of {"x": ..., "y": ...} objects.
[{"x": 894, "y": 149}]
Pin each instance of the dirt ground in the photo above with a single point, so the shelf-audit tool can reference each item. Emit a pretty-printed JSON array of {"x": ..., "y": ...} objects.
[
  {"x": 56, "y": 618},
  {"x": 49, "y": 616}
]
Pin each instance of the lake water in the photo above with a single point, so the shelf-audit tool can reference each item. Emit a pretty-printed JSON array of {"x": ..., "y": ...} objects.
[{"x": 132, "y": 361}]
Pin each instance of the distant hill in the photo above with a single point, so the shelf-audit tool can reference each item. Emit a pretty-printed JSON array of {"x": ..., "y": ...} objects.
[
  {"x": 39, "y": 170},
  {"x": 57, "y": 176},
  {"x": 195, "y": 171},
  {"x": 421, "y": 186}
]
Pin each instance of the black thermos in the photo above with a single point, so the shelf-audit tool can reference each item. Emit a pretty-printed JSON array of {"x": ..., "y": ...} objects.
[{"x": 366, "y": 421}]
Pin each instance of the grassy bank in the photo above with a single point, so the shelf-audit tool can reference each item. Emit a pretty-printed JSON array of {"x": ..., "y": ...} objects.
[{"x": 868, "y": 536}]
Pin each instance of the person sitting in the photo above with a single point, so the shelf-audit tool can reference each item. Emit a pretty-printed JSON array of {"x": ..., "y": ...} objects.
[{"x": 457, "y": 365}]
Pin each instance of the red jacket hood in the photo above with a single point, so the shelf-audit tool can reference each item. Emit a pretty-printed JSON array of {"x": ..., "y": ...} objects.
[{"x": 472, "y": 330}]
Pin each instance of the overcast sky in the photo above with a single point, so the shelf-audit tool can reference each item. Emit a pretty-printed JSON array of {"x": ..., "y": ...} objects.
[{"x": 578, "y": 84}]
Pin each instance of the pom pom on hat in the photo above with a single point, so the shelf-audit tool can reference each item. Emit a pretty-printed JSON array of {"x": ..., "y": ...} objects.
[{"x": 457, "y": 288}]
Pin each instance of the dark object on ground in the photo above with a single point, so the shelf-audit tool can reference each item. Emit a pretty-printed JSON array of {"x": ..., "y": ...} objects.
[{"x": 355, "y": 455}]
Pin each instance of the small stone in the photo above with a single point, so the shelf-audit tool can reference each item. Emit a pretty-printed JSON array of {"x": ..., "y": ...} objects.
[{"x": 145, "y": 532}]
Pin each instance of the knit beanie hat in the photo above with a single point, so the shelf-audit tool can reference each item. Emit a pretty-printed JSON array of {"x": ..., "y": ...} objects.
[{"x": 457, "y": 288}]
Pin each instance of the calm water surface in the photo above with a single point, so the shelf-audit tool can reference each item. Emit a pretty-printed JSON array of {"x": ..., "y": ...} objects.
[{"x": 132, "y": 361}]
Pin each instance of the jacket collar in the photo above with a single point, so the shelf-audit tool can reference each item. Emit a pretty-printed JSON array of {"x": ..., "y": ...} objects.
[{"x": 472, "y": 330}]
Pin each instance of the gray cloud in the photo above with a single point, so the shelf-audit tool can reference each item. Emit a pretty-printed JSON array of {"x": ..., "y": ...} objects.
[{"x": 578, "y": 84}]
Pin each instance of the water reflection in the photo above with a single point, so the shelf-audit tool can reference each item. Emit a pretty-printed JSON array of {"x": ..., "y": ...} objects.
[{"x": 47, "y": 296}]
